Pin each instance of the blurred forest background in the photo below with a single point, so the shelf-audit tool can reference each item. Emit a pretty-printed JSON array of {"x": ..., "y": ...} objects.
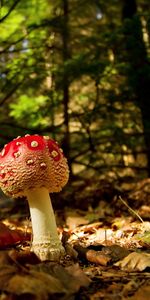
[{"x": 79, "y": 71}]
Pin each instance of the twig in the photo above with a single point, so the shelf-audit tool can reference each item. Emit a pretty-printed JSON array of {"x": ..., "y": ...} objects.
[{"x": 130, "y": 209}]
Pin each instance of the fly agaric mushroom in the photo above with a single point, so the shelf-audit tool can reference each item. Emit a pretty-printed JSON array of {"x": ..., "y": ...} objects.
[{"x": 34, "y": 166}]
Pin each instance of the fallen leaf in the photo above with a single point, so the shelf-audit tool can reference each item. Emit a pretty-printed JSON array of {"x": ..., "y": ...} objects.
[
  {"x": 130, "y": 287},
  {"x": 6, "y": 273},
  {"x": 46, "y": 280},
  {"x": 35, "y": 283},
  {"x": 74, "y": 219},
  {"x": 4, "y": 296},
  {"x": 145, "y": 237},
  {"x": 134, "y": 262},
  {"x": 116, "y": 252},
  {"x": 79, "y": 276},
  {"x": 5, "y": 236},
  {"x": 143, "y": 293},
  {"x": 98, "y": 295},
  {"x": 23, "y": 257},
  {"x": 4, "y": 258},
  {"x": 97, "y": 257},
  {"x": 9, "y": 237},
  {"x": 72, "y": 275}
]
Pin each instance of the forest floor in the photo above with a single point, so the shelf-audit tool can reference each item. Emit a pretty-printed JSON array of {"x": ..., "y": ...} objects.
[{"x": 105, "y": 229}]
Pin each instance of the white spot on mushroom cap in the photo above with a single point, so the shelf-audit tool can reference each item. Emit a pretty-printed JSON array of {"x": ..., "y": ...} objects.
[
  {"x": 46, "y": 137},
  {"x": 34, "y": 144},
  {"x": 43, "y": 165},
  {"x": 18, "y": 143},
  {"x": 54, "y": 153},
  {"x": 30, "y": 162},
  {"x": 17, "y": 154},
  {"x": 3, "y": 152}
]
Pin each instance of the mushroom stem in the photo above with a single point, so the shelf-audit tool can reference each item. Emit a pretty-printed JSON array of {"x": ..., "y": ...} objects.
[{"x": 46, "y": 243}]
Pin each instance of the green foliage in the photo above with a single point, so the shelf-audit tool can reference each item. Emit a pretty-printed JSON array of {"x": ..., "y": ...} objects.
[
  {"x": 11, "y": 25},
  {"x": 68, "y": 61},
  {"x": 30, "y": 110}
]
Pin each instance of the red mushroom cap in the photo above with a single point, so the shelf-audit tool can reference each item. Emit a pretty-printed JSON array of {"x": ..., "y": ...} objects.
[{"x": 32, "y": 161}]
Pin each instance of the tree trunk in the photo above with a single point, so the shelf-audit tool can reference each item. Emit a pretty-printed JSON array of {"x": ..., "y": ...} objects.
[
  {"x": 139, "y": 67},
  {"x": 65, "y": 80}
]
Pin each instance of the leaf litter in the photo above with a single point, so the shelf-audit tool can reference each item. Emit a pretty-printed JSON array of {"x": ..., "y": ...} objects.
[{"x": 108, "y": 255}]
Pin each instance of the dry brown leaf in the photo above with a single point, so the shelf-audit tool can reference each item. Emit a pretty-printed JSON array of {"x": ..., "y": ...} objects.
[
  {"x": 9, "y": 237},
  {"x": 134, "y": 262},
  {"x": 115, "y": 252},
  {"x": 6, "y": 272},
  {"x": 79, "y": 276},
  {"x": 4, "y": 258},
  {"x": 94, "y": 256},
  {"x": 74, "y": 219},
  {"x": 143, "y": 293},
  {"x": 27, "y": 285},
  {"x": 42, "y": 284},
  {"x": 72, "y": 278},
  {"x": 23, "y": 257},
  {"x": 97, "y": 257},
  {"x": 4, "y": 296},
  {"x": 129, "y": 287},
  {"x": 36, "y": 283},
  {"x": 72, "y": 275},
  {"x": 98, "y": 295},
  {"x": 7, "y": 269}
]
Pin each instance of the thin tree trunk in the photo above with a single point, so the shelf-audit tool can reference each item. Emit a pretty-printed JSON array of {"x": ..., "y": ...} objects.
[
  {"x": 139, "y": 67},
  {"x": 66, "y": 97}
]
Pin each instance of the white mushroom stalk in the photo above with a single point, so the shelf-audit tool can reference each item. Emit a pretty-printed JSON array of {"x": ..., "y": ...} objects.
[
  {"x": 46, "y": 243},
  {"x": 34, "y": 166}
]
